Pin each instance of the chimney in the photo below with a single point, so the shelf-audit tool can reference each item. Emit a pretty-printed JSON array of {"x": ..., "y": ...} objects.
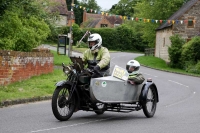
[{"x": 84, "y": 16}]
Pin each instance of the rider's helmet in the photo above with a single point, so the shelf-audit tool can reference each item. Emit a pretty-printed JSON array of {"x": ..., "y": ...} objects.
[
  {"x": 95, "y": 38},
  {"x": 133, "y": 67}
]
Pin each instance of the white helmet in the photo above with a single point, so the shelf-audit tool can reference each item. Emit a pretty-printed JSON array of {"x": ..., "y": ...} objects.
[
  {"x": 95, "y": 38},
  {"x": 133, "y": 66}
]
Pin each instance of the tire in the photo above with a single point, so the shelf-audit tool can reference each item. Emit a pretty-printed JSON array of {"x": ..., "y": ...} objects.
[
  {"x": 149, "y": 107},
  {"x": 99, "y": 108},
  {"x": 61, "y": 107}
]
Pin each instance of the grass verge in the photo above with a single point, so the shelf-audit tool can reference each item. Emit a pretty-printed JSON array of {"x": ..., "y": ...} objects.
[
  {"x": 37, "y": 86},
  {"x": 157, "y": 63}
]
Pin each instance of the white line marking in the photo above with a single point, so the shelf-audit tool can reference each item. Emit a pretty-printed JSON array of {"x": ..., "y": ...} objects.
[
  {"x": 181, "y": 101},
  {"x": 55, "y": 128},
  {"x": 149, "y": 75},
  {"x": 178, "y": 83}
]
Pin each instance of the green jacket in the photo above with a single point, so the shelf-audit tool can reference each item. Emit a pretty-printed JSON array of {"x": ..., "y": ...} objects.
[
  {"x": 101, "y": 58},
  {"x": 137, "y": 78}
]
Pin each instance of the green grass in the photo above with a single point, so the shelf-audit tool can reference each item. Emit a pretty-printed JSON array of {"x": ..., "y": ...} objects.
[
  {"x": 42, "y": 85},
  {"x": 59, "y": 59},
  {"x": 157, "y": 63}
]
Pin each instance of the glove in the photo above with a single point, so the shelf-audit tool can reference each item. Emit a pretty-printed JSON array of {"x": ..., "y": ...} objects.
[
  {"x": 96, "y": 69},
  {"x": 131, "y": 82}
]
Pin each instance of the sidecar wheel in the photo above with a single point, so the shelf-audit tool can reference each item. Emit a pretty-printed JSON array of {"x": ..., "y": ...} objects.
[
  {"x": 149, "y": 107},
  {"x": 99, "y": 108},
  {"x": 62, "y": 108}
]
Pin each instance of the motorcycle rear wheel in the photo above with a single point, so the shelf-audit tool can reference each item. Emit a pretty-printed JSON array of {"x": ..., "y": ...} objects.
[
  {"x": 149, "y": 107},
  {"x": 62, "y": 107}
]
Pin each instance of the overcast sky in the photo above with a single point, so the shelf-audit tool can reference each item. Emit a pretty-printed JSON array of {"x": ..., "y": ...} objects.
[{"x": 106, "y": 4}]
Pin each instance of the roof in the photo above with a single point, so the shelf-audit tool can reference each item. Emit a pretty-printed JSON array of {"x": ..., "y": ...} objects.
[
  {"x": 178, "y": 13},
  {"x": 112, "y": 19},
  {"x": 94, "y": 23},
  {"x": 60, "y": 7}
]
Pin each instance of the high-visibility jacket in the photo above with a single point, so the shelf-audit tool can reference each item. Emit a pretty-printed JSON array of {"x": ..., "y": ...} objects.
[
  {"x": 101, "y": 58},
  {"x": 136, "y": 78}
]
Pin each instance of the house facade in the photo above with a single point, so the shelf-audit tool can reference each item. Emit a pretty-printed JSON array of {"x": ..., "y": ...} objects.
[
  {"x": 60, "y": 7},
  {"x": 91, "y": 20},
  {"x": 186, "y": 24}
]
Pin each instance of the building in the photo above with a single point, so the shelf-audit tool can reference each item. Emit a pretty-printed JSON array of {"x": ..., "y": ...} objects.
[
  {"x": 60, "y": 7},
  {"x": 91, "y": 20},
  {"x": 186, "y": 24}
]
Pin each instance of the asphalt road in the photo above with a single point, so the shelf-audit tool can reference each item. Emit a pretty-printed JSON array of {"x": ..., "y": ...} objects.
[{"x": 177, "y": 112}]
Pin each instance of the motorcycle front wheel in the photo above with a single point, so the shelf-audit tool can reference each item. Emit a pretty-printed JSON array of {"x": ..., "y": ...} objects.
[{"x": 63, "y": 107}]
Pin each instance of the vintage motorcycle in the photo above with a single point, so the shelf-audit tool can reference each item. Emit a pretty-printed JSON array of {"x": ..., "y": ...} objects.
[{"x": 111, "y": 93}]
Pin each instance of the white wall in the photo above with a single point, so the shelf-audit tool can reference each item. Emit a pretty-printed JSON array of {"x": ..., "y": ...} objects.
[{"x": 162, "y": 43}]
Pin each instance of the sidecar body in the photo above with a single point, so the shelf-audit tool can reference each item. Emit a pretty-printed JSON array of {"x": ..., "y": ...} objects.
[{"x": 114, "y": 90}]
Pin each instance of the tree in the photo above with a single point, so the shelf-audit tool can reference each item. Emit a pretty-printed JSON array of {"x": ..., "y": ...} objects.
[
  {"x": 22, "y": 25},
  {"x": 90, "y": 4},
  {"x": 175, "y": 51},
  {"x": 156, "y": 10},
  {"x": 124, "y": 7},
  {"x": 78, "y": 12}
]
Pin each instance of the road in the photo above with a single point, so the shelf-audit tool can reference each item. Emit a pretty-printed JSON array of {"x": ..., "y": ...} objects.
[{"x": 177, "y": 112}]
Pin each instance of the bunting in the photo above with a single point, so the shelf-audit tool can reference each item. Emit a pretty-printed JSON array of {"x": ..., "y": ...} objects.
[{"x": 130, "y": 18}]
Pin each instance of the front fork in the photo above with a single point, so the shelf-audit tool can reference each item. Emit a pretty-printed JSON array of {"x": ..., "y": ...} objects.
[{"x": 65, "y": 83}]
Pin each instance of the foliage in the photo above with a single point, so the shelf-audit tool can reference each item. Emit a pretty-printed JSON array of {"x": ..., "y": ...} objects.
[
  {"x": 191, "y": 53},
  {"x": 158, "y": 10},
  {"x": 90, "y": 4},
  {"x": 158, "y": 63},
  {"x": 23, "y": 25},
  {"x": 78, "y": 12},
  {"x": 124, "y": 7},
  {"x": 21, "y": 34},
  {"x": 122, "y": 38},
  {"x": 175, "y": 51}
]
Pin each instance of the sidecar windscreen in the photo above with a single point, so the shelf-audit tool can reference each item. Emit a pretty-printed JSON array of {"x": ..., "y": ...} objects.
[{"x": 77, "y": 60}]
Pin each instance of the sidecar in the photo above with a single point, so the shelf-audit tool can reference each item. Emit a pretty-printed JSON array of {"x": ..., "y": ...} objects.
[{"x": 117, "y": 94}]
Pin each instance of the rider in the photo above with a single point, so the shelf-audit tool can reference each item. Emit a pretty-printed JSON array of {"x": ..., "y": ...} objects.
[
  {"x": 97, "y": 57},
  {"x": 135, "y": 77}
]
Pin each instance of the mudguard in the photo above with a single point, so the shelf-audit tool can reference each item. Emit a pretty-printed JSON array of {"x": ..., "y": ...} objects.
[
  {"x": 143, "y": 95},
  {"x": 64, "y": 82}
]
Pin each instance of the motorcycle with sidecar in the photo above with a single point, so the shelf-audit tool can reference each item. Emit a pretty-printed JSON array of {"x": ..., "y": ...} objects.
[{"x": 111, "y": 93}]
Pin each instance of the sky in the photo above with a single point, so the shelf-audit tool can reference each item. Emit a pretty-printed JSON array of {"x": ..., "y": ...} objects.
[{"x": 106, "y": 4}]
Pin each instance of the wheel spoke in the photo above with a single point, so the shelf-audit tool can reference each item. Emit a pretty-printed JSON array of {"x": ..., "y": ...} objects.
[
  {"x": 64, "y": 103},
  {"x": 150, "y": 100}
]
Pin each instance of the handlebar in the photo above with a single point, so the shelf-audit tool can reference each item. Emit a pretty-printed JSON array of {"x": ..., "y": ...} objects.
[{"x": 92, "y": 71}]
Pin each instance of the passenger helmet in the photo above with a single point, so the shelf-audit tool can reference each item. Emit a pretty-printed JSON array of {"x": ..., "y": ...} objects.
[
  {"x": 133, "y": 67},
  {"x": 95, "y": 38}
]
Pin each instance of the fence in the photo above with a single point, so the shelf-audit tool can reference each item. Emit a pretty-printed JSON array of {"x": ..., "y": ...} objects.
[{"x": 149, "y": 52}]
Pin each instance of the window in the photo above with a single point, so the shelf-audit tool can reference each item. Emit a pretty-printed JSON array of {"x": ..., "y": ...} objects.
[
  {"x": 190, "y": 22},
  {"x": 104, "y": 25},
  {"x": 163, "y": 42}
]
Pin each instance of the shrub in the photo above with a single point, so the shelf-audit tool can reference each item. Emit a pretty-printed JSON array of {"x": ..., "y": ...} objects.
[
  {"x": 175, "y": 51},
  {"x": 191, "y": 53}
]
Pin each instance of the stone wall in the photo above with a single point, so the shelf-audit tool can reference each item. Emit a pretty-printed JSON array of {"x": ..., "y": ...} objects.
[
  {"x": 18, "y": 66},
  {"x": 162, "y": 43},
  {"x": 183, "y": 29},
  {"x": 163, "y": 36}
]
